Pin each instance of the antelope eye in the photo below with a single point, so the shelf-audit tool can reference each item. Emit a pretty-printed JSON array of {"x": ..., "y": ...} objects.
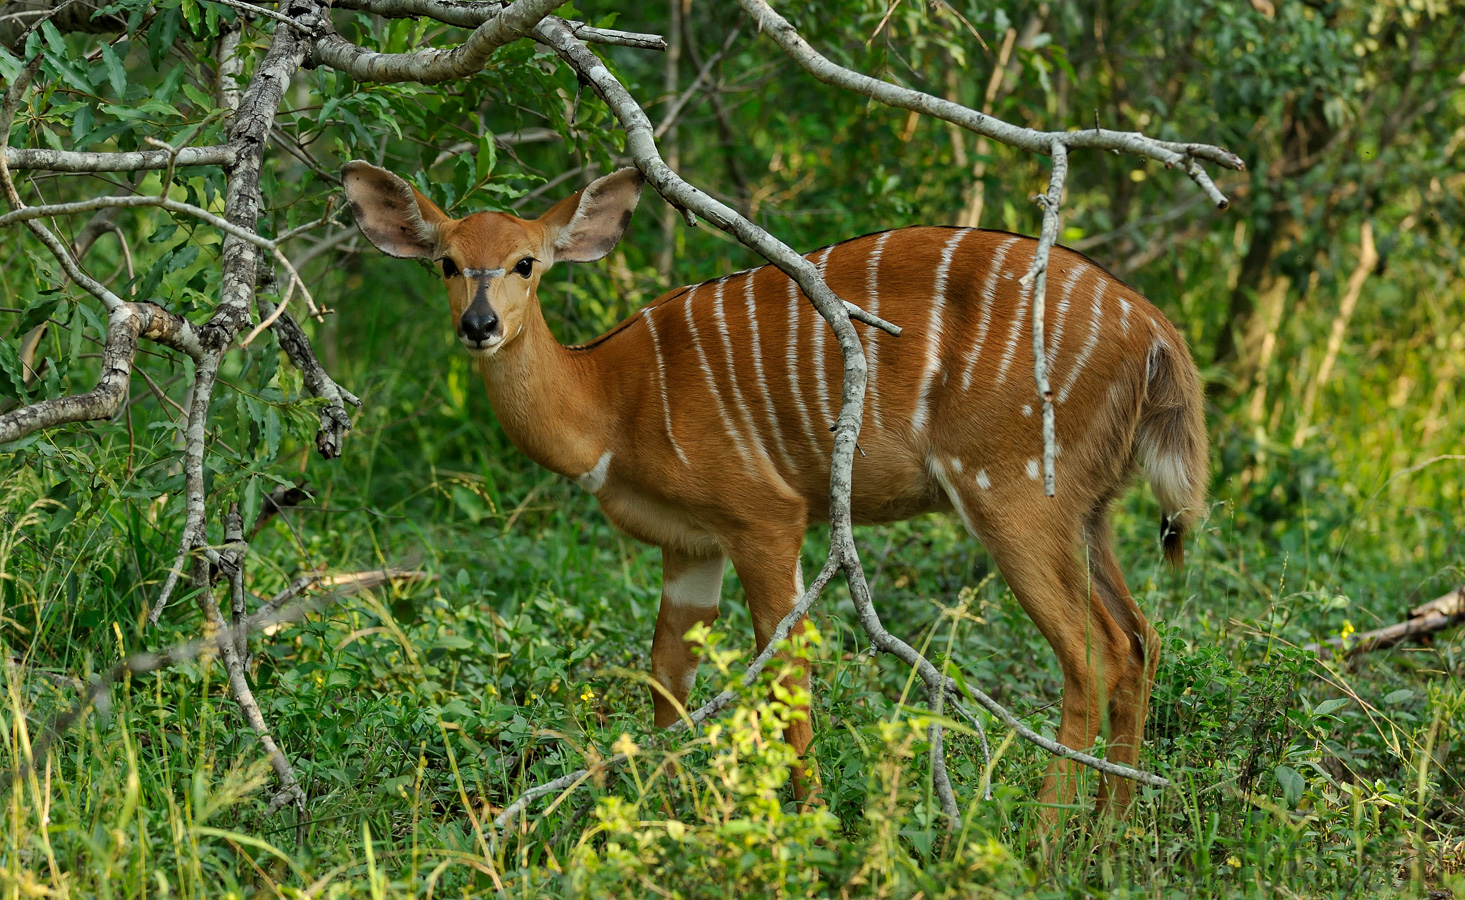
[
  {"x": 525, "y": 266},
  {"x": 450, "y": 268}
]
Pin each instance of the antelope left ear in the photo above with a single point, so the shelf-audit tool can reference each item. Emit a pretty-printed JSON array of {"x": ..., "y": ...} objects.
[{"x": 589, "y": 224}]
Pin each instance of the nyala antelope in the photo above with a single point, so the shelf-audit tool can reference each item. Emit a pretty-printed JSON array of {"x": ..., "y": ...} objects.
[{"x": 702, "y": 422}]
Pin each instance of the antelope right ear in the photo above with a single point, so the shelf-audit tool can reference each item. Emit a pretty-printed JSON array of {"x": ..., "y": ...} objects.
[
  {"x": 588, "y": 225},
  {"x": 393, "y": 215}
]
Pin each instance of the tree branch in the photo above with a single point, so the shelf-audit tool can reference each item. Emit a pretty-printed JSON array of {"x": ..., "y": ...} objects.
[
  {"x": 80, "y": 162},
  {"x": 432, "y": 66},
  {"x": 472, "y": 14},
  {"x": 1036, "y": 280},
  {"x": 126, "y": 324}
]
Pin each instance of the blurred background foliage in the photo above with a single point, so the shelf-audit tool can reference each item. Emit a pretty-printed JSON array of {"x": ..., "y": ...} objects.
[{"x": 1325, "y": 308}]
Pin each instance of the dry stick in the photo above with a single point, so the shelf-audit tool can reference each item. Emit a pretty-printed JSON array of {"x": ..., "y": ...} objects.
[
  {"x": 1036, "y": 280},
  {"x": 1437, "y": 614},
  {"x": 272, "y": 615},
  {"x": 233, "y": 638},
  {"x": 641, "y": 143}
]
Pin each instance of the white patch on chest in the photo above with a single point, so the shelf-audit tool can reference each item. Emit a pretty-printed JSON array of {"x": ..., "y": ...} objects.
[
  {"x": 696, "y": 587},
  {"x": 594, "y": 479}
]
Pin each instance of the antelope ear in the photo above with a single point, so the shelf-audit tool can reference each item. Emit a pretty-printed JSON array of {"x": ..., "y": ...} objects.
[
  {"x": 589, "y": 224},
  {"x": 392, "y": 214}
]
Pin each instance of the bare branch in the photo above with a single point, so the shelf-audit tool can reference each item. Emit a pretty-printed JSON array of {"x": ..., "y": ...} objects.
[
  {"x": 1036, "y": 280},
  {"x": 1171, "y": 153},
  {"x": 432, "y": 66},
  {"x": 248, "y": 135},
  {"x": 335, "y": 421},
  {"x": 126, "y": 324},
  {"x": 472, "y": 14},
  {"x": 77, "y": 161}
]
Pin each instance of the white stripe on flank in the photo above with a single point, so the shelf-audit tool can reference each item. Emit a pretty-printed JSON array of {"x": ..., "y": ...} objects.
[
  {"x": 767, "y": 400},
  {"x": 732, "y": 372},
  {"x": 1064, "y": 301},
  {"x": 1088, "y": 346},
  {"x": 793, "y": 365},
  {"x": 711, "y": 381},
  {"x": 661, "y": 383},
  {"x": 1019, "y": 319},
  {"x": 1124, "y": 307},
  {"x": 989, "y": 297},
  {"x": 983, "y": 481},
  {"x": 933, "y": 333},
  {"x": 821, "y": 379},
  {"x": 872, "y": 284},
  {"x": 951, "y": 492},
  {"x": 1033, "y": 469}
]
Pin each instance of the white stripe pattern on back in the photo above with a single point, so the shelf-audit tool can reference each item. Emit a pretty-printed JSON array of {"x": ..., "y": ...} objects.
[
  {"x": 872, "y": 284},
  {"x": 661, "y": 383},
  {"x": 1100, "y": 285},
  {"x": 1124, "y": 307},
  {"x": 767, "y": 400},
  {"x": 792, "y": 358},
  {"x": 732, "y": 372},
  {"x": 989, "y": 297},
  {"x": 1065, "y": 300},
  {"x": 1019, "y": 319},
  {"x": 711, "y": 381},
  {"x": 933, "y": 332}
]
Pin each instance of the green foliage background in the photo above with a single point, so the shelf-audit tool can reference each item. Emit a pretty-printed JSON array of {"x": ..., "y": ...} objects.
[{"x": 414, "y": 714}]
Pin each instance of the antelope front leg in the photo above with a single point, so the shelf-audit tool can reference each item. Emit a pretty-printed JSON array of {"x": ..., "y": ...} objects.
[
  {"x": 769, "y": 571},
  {"x": 690, "y": 588}
]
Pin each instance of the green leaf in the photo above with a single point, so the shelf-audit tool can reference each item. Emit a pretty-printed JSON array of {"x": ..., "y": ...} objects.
[
  {"x": 1398, "y": 697},
  {"x": 116, "y": 74},
  {"x": 1327, "y": 707},
  {"x": 487, "y": 156},
  {"x": 38, "y": 312},
  {"x": 253, "y": 494},
  {"x": 13, "y": 385},
  {"x": 83, "y": 123},
  {"x": 1292, "y": 783}
]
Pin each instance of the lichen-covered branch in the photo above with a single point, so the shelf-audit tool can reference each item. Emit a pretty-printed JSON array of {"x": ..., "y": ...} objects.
[
  {"x": 335, "y": 420},
  {"x": 471, "y": 14},
  {"x": 126, "y": 324},
  {"x": 432, "y": 66},
  {"x": 248, "y": 136},
  {"x": 78, "y": 161}
]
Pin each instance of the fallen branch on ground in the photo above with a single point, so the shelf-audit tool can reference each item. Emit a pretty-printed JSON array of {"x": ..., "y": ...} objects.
[{"x": 1436, "y": 615}]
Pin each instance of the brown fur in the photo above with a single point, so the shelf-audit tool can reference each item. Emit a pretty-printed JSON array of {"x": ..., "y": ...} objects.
[{"x": 702, "y": 425}]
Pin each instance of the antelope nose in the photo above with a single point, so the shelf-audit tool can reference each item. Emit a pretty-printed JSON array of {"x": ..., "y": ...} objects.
[{"x": 479, "y": 324}]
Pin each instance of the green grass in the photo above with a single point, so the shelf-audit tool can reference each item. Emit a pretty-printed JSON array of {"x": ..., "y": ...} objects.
[{"x": 413, "y": 715}]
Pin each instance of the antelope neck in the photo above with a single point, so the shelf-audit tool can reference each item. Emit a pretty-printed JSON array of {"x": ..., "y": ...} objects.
[{"x": 550, "y": 401}]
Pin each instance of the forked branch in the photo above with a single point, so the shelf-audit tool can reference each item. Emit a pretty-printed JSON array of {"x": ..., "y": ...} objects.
[{"x": 126, "y": 324}]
